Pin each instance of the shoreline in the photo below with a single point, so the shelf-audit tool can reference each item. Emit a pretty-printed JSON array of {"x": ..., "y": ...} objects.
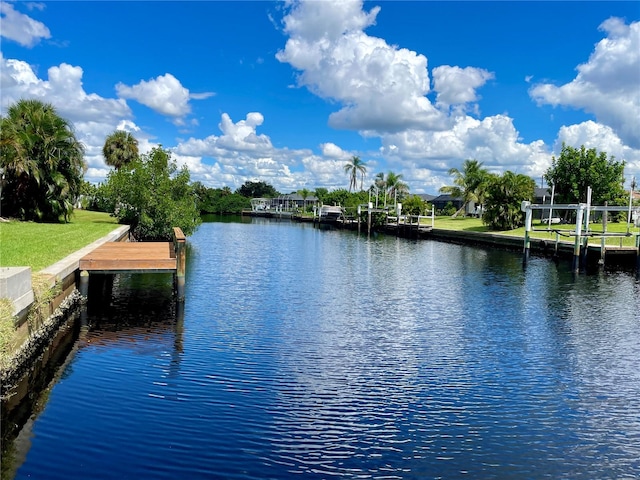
[
  {"x": 31, "y": 357},
  {"x": 38, "y": 337}
]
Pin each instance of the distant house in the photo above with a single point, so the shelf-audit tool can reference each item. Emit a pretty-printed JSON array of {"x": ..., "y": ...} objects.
[
  {"x": 542, "y": 196},
  {"x": 297, "y": 200},
  {"x": 284, "y": 203},
  {"x": 426, "y": 197},
  {"x": 441, "y": 202}
]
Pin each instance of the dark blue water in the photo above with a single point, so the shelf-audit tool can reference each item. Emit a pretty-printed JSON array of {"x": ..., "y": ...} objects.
[{"x": 321, "y": 354}]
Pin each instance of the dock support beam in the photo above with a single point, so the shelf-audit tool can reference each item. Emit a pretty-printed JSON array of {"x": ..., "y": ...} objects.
[
  {"x": 603, "y": 240},
  {"x": 181, "y": 261},
  {"x": 84, "y": 284}
]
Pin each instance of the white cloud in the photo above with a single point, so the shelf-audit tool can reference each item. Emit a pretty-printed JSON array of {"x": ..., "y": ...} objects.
[
  {"x": 607, "y": 85},
  {"x": 241, "y": 154},
  {"x": 35, "y": 6},
  {"x": 381, "y": 87},
  {"x": 93, "y": 117},
  {"x": 128, "y": 126},
  {"x": 383, "y": 92},
  {"x": 603, "y": 139},
  {"x": 457, "y": 85},
  {"x": 325, "y": 172},
  {"x": 21, "y": 28},
  {"x": 493, "y": 141},
  {"x": 163, "y": 94},
  {"x": 331, "y": 150},
  {"x": 15, "y": 76},
  {"x": 63, "y": 89},
  {"x": 201, "y": 96}
]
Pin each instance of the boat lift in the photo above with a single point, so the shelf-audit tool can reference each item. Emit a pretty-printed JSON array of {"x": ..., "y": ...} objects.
[
  {"x": 582, "y": 232},
  {"x": 411, "y": 222}
]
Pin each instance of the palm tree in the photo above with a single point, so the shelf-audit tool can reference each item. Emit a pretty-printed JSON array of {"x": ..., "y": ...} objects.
[
  {"x": 320, "y": 193},
  {"x": 485, "y": 180},
  {"x": 120, "y": 148},
  {"x": 42, "y": 160},
  {"x": 304, "y": 193},
  {"x": 395, "y": 186},
  {"x": 468, "y": 183},
  {"x": 355, "y": 166},
  {"x": 505, "y": 194},
  {"x": 380, "y": 184}
]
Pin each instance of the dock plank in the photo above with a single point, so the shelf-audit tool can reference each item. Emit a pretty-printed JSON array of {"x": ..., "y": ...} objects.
[{"x": 130, "y": 257}]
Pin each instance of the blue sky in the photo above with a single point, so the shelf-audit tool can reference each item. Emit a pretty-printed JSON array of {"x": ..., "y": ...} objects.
[{"x": 288, "y": 92}]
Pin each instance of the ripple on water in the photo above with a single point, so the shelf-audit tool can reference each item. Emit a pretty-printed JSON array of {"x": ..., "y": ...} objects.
[{"x": 324, "y": 354}]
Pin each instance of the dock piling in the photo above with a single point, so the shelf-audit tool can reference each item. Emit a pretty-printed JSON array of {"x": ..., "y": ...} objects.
[
  {"x": 527, "y": 231},
  {"x": 84, "y": 284},
  {"x": 179, "y": 245},
  {"x": 575, "y": 265}
]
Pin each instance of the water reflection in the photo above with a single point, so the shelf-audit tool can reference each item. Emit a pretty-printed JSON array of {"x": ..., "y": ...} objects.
[{"x": 325, "y": 353}]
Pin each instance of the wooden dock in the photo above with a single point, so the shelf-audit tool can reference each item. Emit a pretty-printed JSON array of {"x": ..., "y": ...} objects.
[{"x": 137, "y": 257}]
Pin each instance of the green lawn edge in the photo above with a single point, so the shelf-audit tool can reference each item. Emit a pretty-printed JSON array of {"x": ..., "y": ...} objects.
[
  {"x": 469, "y": 224},
  {"x": 38, "y": 245}
]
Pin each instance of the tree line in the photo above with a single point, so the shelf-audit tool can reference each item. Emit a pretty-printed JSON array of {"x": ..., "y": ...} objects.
[
  {"x": 499, "y": 197},
  {"x": 42, "y": 170}
]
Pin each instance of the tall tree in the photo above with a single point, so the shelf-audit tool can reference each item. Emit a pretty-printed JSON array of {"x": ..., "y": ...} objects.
[
  {"x": 321, "y": 193},
  {"x": 468, "y": 184},
  {"x": 504, "y": 198},
  {"x": 154, "y": 196},
  {"x": 304, "y": 193},
  {"x": 380, "y": 184},
  {"x": 42, "y": 160},
  {"x": 251, "y": 189},
  {"x": 396, "y": 188},
  {"x": 579, "y": 168},
  {"x": 120, "y": 149},
  {"x": 353, "y": 168}
]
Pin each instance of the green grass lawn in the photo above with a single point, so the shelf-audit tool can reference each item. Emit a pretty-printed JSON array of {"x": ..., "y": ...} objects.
[
  {"x": 38, "y": 245},
  {"x": 475, "y": 225}
]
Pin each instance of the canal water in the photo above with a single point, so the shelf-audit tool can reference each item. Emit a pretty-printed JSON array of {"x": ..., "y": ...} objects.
[{"x": 306, "y": 353}]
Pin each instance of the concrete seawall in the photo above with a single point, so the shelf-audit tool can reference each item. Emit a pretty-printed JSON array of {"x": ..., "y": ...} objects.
[
  {"x": 44, "y": 343},
  {"x": 15, "y": 282},
  {"x": 66, "y": 270},
  {"x": 16, "y": 285},
  {"x": 625, "y": 258},
  {"x": 497, "y": 240}
]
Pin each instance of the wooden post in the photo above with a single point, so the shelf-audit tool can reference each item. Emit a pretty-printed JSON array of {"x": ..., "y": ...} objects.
[
  {"x": 179, "y": 242},
  {"x": 584, "y": 252},
  {"x": 603, "y": 240},
  {"x": 84, "y": 284}
]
